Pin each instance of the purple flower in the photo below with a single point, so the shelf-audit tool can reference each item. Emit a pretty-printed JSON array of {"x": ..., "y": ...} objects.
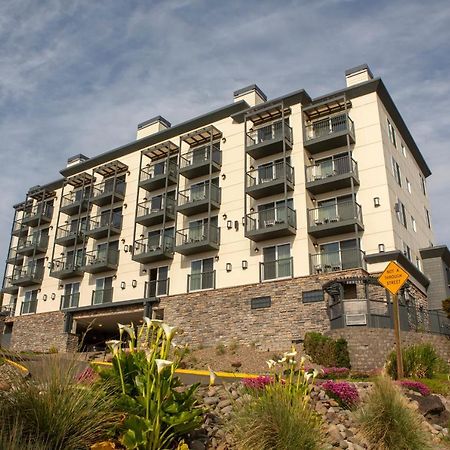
[
  {"x": 335, "y": 372},
  {"x": 86, "y": 376},
  {"x": 415, "y": 386},
  {"x": 344, "y": 393},
  {"x": 257, "y": 383}
]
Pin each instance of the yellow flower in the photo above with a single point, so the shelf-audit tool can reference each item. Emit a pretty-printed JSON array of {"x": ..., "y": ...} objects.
[{"x": 212, "y": 377}]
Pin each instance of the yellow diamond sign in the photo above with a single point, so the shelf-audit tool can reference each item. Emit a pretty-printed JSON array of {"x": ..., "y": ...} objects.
[{"x": 393, "y": 277}]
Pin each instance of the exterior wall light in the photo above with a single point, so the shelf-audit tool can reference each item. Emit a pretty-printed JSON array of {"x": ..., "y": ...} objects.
[
  {"x": 123, "y": 285},
  {"x": 224, "y": 216},
  {"x": 245, "y": 264},
  {"x": 125, "y": 248},
  {"x": 216, "y": 258},
  {"x": 228, "y": 267},
  {"x": 229, "y": 224},
  {"x": 236, "y": 225},
  {"x": 381, "y": 248},
  {"x": 44, "y": 297},
  {"x": 256, "y": 249},
  {"x": 53, "y": 296},
  {"x": 134, "y": 283},
  {"x": 376, "y": 202}
]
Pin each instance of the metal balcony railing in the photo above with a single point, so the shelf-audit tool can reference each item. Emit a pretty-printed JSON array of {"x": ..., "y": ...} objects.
[
  {"x": 269, "y": 133},
  {"x": 67, "y": 263},
  {"x": 151, "y": 206},
  {"x": 324, "y": 262},
  {"x": 331, "y": 168},
  {"x": 74, "y": 197},
  {"x": 19, "y": 228},
  {"x": 268, "y": 173},
  {"x": 32, "y": 272},
  {"x": 158, "y": 169},
  {"x": 8, "y": 285},
  {"x": 100, "y": 296},
  {"x": 28, "y": 307},
  {"x": 13, "y": 255},
  {"x": 44, "y": 211},
  {"x": 279, "y": 268},
  {"x": 154, "y": 244},
  {"x": 156, "y": 288},
  {"x": 200, "y": 156},
  {"x": 35, "y": 240},
  {"x": 108, "y": 187},
  {"x": 199, "y": 193},
  {"x": 103, "y": 257},
  {"x": 329, "y": 126},
  {"x": 197, "y": 234},
  {"x": 269, "y": 218},
  {"x": 202, "y": 280},
  {"x": 334, "y": 214},
  {"x": 70, "y": 300},
  {"x": 104, "y": 221},
  {"x": 8, "y": 310}
]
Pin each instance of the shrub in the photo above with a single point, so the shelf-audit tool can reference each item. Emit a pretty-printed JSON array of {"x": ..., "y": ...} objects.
[
  {"x": 277, "y": 416},
  {"x": 416, "y": 386},
  {"x": 419, "y": 361},
  {"x": 220, "y": 349},
  {"x": 335, "y": 372},
  {"x": 53, "y": 409},
  {"x": 326, "y": 351},
  {"x": 446, "y": 306},
  {"x": 344, "y": 393},
  {"x": 388, "y": 423}
]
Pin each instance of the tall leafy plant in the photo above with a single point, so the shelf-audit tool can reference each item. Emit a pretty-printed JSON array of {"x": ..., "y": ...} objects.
[{"x": 158, "y": 411}]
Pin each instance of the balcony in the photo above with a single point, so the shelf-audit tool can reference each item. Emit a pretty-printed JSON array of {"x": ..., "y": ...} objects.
[
  {"x": 271, "y": 223},
  {"x": 201, "y": 161},
  {"x": 156, "y": 288},
  {"x": 152, "y": 212},
  {"x": 14, "y": 257},
  {"x": 70, "y": 301},
  {"x": 158, "y": 175},
  {"x": 7, "y": 310},
  {"x": 66, "y": 267},
  {"x": 9, "y": 287},
  {"x": 279, "y": 268},
  {"x": 104, "y": 225},
  {"x": 38, "y": 215},
  {"x": 328, "y": 133},
  {"x": 201, "y": 281},
  {"x": 19, "y": 229},
  {"x": 33, "y": 246},
  {"x": 98, "y": 261},
  {"x": 27, "y": 276},
  {"x": 74, "y": 203},
  {"x": 335, "y": 219},
  {"x": 326, "y": 262},
  {"x": 269, "y": 180},
  {"x": 108, "y": 192},
  {"x": 153, "y": 249},
  {"x": 198, "y": 198},
  {"x": 197, "y": 239},
  {"x": 28, "y": 307},
  {"x": 102, "y": 296},
  {"x": 68, "y": 235},
  {"x": 268, "y": 140},
  {"x": 332, "y": 175}
]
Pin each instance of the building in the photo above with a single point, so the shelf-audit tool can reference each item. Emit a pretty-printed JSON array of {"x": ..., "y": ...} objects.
[{"x": 255, "y": 221}]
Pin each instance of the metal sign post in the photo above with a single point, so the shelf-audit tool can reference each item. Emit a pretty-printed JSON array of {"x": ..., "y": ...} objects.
[{"x": 393, "y": 278}]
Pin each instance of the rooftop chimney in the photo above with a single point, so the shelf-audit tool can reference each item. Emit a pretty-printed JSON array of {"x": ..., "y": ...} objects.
[
  {"x": 252, "y": 94},
  {"x": 76, "y": 160},
  {"x": 152, "y": 126},
  {"x": 358, "y": 74}
]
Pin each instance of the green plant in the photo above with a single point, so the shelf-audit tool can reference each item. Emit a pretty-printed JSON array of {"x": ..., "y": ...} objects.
[
  {"x": 158, "y": 411},
  {"x": 220, "y": 349},
  {"x": 53, "y": 409},
  {"x": 12, "y": 438},
  {"x": 419, "y": 361},
  {"x": 446, "y": 306},
  {"x": 233, "y": 346},
  {"x": 277, "y": 415},
  {"x": 327, "y": 351},
  {"x": 52, "y": 350},
  {"x": 388, "y": 423}
]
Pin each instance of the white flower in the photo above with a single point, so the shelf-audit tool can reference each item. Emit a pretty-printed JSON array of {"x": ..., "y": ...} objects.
[
  {"x": 302, "y": 360},
  {"x": 147, "y": 321},
  {"x": 292, "y": 361},
  {"x": 148, "y": 354},
  {"x": 271, "y": 363},
  {"x": 161, "y": 364},
  {"x": 156, "y": 322},
  {"x": 282, "y": 360},
  {"x": 212, "y": 377},
  {"x": 168, "y": 331},
  {"x": 114, "y": 345},
  {"x": 290, "y": 354}
]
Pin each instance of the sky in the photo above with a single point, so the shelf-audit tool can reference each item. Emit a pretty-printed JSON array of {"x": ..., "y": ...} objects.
[{"x": 77, "y": 76}]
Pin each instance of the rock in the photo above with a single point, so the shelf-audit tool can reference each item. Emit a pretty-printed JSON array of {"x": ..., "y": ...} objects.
[
  {"x": 197, "y": 445},
  {"x": 431, "y": 404},
  {"x": 224, "y": 403},
  {"x": 4, "y": 386},
  {"x": 438, "y": 427},
  {"x": 227, "y": 410},
  {"x": 334, "y": 435},
  {"x": 210, "y": 400}
]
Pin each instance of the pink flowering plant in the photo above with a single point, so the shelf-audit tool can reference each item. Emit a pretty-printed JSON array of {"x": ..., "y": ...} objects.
[
  {"x": 257, "y": 383},
  {"x": 335, "y": 372},
  {"x": 343, "y": 392},
  {"x": 416, "y": 386}
]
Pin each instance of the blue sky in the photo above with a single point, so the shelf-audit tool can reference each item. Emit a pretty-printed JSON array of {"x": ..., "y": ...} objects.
[{"x": 77, "y": 76}]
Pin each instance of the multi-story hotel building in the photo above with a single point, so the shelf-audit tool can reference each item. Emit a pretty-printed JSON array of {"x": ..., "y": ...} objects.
[{"x": 257, "y": 221}]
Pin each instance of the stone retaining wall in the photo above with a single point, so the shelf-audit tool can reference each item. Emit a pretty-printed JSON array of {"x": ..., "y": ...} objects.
[{"x": 369, "y": 347}]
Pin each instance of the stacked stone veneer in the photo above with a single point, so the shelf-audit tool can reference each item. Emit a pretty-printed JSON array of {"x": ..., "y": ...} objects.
[
  {"x": 41, "y": 333},
  {"x": 369, "y": 347}
]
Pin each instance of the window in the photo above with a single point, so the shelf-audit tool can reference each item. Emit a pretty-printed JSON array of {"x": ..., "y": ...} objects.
[
  {"x": 408, "y": 185},
  {"x": 103, "y": 291},
  {"x": 406, "y": 250},
  {"x": 403, "y": 149},
  {"x": 336, "y": 256},
  {"x": 202, "y": 275},
  {"x": 396, "y": 172},
  {"x": 335, "y": 210},
  {"x": 277, "y": 262},
  {"x": 413, "y": 223},
  {"x": 260, "y": 302},
  {"x": 273, "y": 170},
  {"x": 71, "y": 295},
  {"x": 158, "y": 283},
  {"x": 199, "y": 230},
  {"x": 275, "y": 213},
  {"x": 401, "y": 213},
  {"x": 312, "y": 296},
  {"x": 391, "y": 133},
  {"x": 427, "y": 216},
  {"x": 423, "y": 184},
  {"x": 29, "y": 304}
]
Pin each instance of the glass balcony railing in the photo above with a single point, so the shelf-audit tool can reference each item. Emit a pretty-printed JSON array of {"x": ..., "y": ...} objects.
[
  {"x": 334, "y": 214},
  {"x": 70, "y": 300},
  {"x": 28, "y": 307},
  {"x": 195, "y": 199},
  {"x": 280, "y": 216},
  {"x": 156, "y": 288},
  {"x": 153, "y": 244},
  {"x": 153, "y": 176},
  {"x": 198, "y": 234},
  {"x": 324, "y": 262},
  {"x": 279, "y": 171},
  {"x": 331, "y": 168},
  {"x": 329, "y": 126},
  {"x": 100, "y": 296},
  {"x": 197, "y": 161},
  {"x": 280, "y": 268},
  {"x": 202, "y": 280},
  {"x": 155, "y": 206}
]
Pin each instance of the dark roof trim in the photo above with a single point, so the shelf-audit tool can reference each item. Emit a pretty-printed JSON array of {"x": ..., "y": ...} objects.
[
  {"x": 377, "y": 85},
  {"x": 359, "y": 69},
  {"x": 247, "y": 89},
  {"x": 53, "y": 185},
  {"x": 111, "y": 305},
  {"x": 160, "y": 136},
  {"x": 398, "y": 256},
  {"x": 440, "y": 251},
  {"x": 154, "y": 120}
]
